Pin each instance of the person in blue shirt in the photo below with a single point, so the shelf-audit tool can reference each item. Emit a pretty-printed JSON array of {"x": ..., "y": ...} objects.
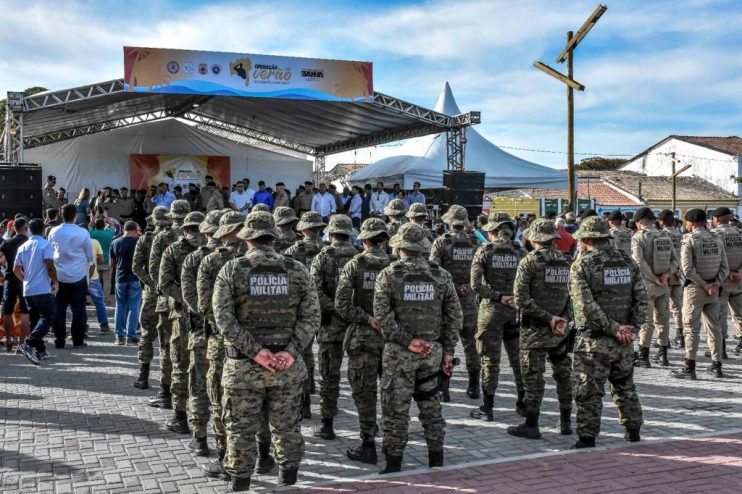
[
  {"x": 163, "y": 197},
  {"x": 415, "y": 196},
  {"x": 263, "y": 196}
]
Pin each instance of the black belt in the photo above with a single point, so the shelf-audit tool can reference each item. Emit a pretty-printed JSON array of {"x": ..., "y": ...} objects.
[
  {"x": 592, "y": 333},
  {"x": 233, "y": 353}
]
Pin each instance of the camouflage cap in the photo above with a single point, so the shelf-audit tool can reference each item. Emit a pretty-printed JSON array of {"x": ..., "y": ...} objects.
[
  {"x": 456, "y": 216},
  {"x": 410, "y": 236},
  {"x": 372, "y": 227},
  {"x": 496, "y": 220},
  {"x": 259, "y": 224},
  {"x": 193, "y": 219},
  {"x": 593, "y": 227},
  {"x": 228, "y": 223},
  {"x": 341, "y": 224},
  {"x": 284, "y": 215},
  {"x": 260, "y": 207},
  {"x": 395, "y": 207},
  {"x": 211, "y": 223},
  {"x": 179, "y": 209},
  {"x": 159, "y": 216},
  {"x": 310, "y": 219},
  {"x": 541, "y": 230},
  {"x": 417, "y": 210}
]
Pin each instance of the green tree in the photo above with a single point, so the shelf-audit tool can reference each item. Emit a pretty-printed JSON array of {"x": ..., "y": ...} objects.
[{"x": 598, "y": 163}]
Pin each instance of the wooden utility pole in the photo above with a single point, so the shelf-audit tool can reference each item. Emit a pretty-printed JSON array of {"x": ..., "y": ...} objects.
[{"x": 673, "y": 178}]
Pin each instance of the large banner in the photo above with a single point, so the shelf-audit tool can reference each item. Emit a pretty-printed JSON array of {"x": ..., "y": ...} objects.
[
  {"x": 152, "y": 169},
  {"x": 160, "y": 70}
]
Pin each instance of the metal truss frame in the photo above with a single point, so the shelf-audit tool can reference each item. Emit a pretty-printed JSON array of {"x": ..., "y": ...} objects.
[
  {"x": 13, "y": 137},
  {"x": 57, "y": 98},
  {"x": 455, "y": 146},
  {"x": 320, "y": 169}
]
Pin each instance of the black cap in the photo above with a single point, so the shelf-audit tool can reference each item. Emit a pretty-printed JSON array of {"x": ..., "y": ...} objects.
[
  {"x": 665, "y": 215},
  {"x": 644, "y": 214},
  {"x": 586, "y": 213},
  {"x": 722, "y": 211},
  {"x": 695, "y": 215},
  {"x": 616, "y": 216}
]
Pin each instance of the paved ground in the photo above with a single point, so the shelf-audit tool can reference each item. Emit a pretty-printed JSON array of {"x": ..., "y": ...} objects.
[{"x": 76, "y": 424}]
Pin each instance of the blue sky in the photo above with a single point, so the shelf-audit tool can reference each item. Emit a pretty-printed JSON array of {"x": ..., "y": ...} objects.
[{"x": 652, "y": 68}]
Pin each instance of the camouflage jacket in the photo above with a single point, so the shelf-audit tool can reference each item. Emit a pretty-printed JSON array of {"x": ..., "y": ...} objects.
[
  {"x": 478, "y": 280},
  {"x": 169, "y": 275},
  {"x": 315, "y": 243},
  {"x": 168, "y": 236},
  {"x": 324, "y": 275},
  {"x": 140, "y": 263},
  {"x": 208, "y": 270},
  {"x": 287, "y": 239},
  {"x": 189, "y": 274}
]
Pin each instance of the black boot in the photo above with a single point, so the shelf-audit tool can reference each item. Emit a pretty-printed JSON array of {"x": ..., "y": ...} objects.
[
  {"x": 715, "y": 369},
  {"x": 200, "y": 446},
  {"x": 142, "y": 381},
  {"x": 445, "y": 393},
  {"x": 164, "y": 399},
  {"x": 565, "y": 421},
  {"x": 632, "y": 435},
  {"x": 326, "y": 431},
  {"x": 642, "y": 359},
  {"x": 241, "y": 484},
  {"x": 688, "y": 372},
  {"x": 312, "y": 385},
  {"x": 365, "y": 453},
  {"x": 393, "y": 464},
  {"x": 661, "y": 356},
  {"x": 584, "y": 442},
  {"x": 265, "y": 462},
  {"x": 724, "y": 349},
  {"x": 528, "y": 429},
  {"x": 435, "y": 459},
  {"x": 520, "y": 407},
  {"x": 484, "y": 412},
  {"x": 738, "y": 348},
  {"x": 472, "y": 391},
  {"x": 215, "y": 469},
  {"x": 679, "y": 338},
  {"x": 287, "y": 476},
  {"x": 306, "y": 406},
  {"x": 178, "y": 424}
]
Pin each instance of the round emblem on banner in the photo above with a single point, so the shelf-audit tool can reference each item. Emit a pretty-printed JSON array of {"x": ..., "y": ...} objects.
[
  {"x": 216, "y": 69},
  {"x": 203, "y": 69},
  {"x": 173, "y": 67},
  {"x": 188, "y": 68}
]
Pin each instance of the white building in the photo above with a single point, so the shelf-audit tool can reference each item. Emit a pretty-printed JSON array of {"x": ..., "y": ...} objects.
[{"x": 715, "y": 159}]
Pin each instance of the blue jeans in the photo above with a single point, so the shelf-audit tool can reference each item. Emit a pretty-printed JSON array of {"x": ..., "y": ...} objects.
[
  {"x": 128, "y": 299},
  {"x": 45, "y": 306},
  {"x": 95, "y": 290}
]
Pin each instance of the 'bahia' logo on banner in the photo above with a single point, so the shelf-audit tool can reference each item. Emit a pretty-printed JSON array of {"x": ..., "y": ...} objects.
[
  {"x": 173, "y": 67},
  {"x": 312, "y": 74}
]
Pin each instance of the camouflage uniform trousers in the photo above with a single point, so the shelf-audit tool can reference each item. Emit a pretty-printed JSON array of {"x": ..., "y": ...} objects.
[
  {"x": 400, "y": 371},
  {"x": 533, "y": 366},
  {"x": 699, "y": 306},
  {"x": 249, "y": 392},
  {"x": 198, "y": 398},
  {"x": 676, "y": 306},
  {"x": 597, "y": 360},
  {"x": 181, "y": 361},
  {"x": 164, "y": 332},
  {"x": 308, "y": 356},
  {"x": 730, "y": 299},
  {"x": 148, "y": 322},
  {"x": 330, "y": 357},
  {"x": 659, "y": 298},
  {"x": 468, "y": 330},
  {"x": 364, "y": 368},
  {"x": 497, "y": 326}
]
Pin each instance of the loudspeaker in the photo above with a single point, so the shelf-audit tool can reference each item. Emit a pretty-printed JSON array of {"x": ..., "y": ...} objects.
[
  {"x": 465, "y": 189},
  {"x": 463, "y": 180},
  {"x": 20, "y": 190}
]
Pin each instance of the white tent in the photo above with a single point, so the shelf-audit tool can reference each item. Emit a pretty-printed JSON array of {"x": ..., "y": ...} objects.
[
  {"x": 102, "y": 159},
  {"x": 423, "y": 160}
]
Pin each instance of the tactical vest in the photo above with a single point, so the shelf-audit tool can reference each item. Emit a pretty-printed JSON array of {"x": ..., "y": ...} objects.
[
  {"x": 265, "y": 307},
  {"x": 460, "y": 252},
  {"x": 677, "y": 240},
  {"x": 661, "y": 245},
  {"x": 612, "y": 285},
  {"x": 418, "y": 300},
  {"x": 306, "y": 252},
  {"x": 500, "y": 266},
  {"x": 550, "y": 285},
  {"x": 708, "y": 255},
  {"x": 622, "y": 240},
  {"x": 365, "y": 281},
  {"x": 336, "y": 261},
  {"x": 733, "y": 246}
]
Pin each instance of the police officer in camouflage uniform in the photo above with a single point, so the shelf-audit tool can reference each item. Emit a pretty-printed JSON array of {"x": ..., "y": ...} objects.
[
  {"x": 609, "y": 300},
  {"x": 621, "y": 235},
  {"x": 266, "y": 308},
  {"x": 653, "y": 251},
  {"x": 541, "y": 292},
  {"x": 198, "y": 398},
  {"x": 286, "y": 220},
  {"x": 417, "y": 305},
  {"x": 156, "y": 222},
  {"x": 492, "y": 275},
  {"x": 418, "y": 214},
  {"x": 260, "y": 207},
  {"x": 170, "y": 284},
  {"x": 666, "y": 220},
  {"x": 730, "y": 296},
  {"x": 704, "y": 263},
  {"x": 326, "y": 268},
  {"x": 454, "y": 252},
  {"x": 354, "y": 302},
  {"x": 395, "y": 211},
  {"x": 178, "y": 211}
]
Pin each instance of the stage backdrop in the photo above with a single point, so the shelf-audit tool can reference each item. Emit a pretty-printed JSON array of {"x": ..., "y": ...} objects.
[{"x": 152, "y": 169}]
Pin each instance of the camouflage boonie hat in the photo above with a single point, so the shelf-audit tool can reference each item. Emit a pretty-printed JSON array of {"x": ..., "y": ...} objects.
[
  {"x": 541, "y": 230},
  {"x": 593, "y": 227},
  {"x": 496, "y": 220},
  {"x": 395, "y": 207},
  {"x": 211, "y": 223},
  {"x": 417, "y": 210},
  {"x": 260, "y": 207},
  {"x": 159, "y": 216},
  {"x": 193, "y": 219},
  {"x": 410, "y": 236},
  {"x": 259, "y": 224},
  {"x": 284, "y": 215},
  {"x": 456, "y": 216},
  {"x": 372, "y": 227},
  {"x": 341, "y": 224},
  {"x": 179, "y": 209},
  {"x": 228, "y": 223},
  {"x": 310, "y": 219}
]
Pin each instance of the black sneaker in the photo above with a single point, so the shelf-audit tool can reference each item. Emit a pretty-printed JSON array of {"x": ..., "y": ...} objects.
[
  {"x": 132, "y": 341},
  {"x": 29, "y": 352}
]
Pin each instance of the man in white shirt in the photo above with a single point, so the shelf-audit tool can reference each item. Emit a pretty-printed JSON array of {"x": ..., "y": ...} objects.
[
  {"x": 355, "y": 207},
  {"x": 239, "y": 200},
  {"x": 379, "y": 199},
  {"x": 74, "y": 262},
  {"x": 323, "y": 203},
  {"x": 250, "y": 192}
]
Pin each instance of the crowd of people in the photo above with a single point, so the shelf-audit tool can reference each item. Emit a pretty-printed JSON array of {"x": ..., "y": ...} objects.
[{"x": 238, "y": 293}]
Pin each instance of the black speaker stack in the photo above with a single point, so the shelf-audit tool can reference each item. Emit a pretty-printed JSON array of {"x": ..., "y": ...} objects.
[
  {"x": 465, "y": 189},
  {"x": 20, "y": 190}
]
